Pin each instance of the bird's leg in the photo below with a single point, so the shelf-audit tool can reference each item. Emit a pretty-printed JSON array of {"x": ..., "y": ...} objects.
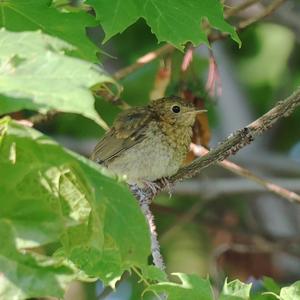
[
  {"x": 167, "y": 184},
  {"x": 144, "y": 197},
  {"x": 153, "y": 186}
]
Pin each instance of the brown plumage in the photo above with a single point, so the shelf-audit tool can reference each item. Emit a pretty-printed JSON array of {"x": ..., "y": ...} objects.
[{"x": 148, "y": 143}]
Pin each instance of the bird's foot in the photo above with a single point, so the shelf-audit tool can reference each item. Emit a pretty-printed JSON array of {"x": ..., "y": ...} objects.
[
  {"x": 167, "y": 184},
  {"x": 153, "y": 186}
]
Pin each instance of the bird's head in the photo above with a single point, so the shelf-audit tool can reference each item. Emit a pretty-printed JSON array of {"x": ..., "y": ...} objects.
[{"x": 174, "y": 110}]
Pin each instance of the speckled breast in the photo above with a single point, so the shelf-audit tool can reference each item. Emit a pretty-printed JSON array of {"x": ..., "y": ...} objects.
[{"x": 158, "y": 155}]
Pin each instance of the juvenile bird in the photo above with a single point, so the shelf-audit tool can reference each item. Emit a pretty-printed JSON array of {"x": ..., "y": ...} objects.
[{"x": 148, "y": 143}]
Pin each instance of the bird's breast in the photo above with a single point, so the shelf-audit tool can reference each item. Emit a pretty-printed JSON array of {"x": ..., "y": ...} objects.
[
  {"x": 177, "y": 137},
  {"x": 159, "y": 154}
]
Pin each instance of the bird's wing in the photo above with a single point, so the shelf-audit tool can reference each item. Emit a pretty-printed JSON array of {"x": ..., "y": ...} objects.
[{"x": 127, "y": 131}]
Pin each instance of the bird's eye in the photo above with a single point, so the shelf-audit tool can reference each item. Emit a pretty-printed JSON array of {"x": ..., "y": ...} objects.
[{"x": 175, "y": 109}]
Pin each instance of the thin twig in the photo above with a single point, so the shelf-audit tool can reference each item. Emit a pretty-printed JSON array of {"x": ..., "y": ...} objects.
[
  {"x": 268, "y": 185},
  {"x": 41, "y": 118},
  {"x": 237, "y": 9},
  {"x": 211, "y": 189},
  {"x": 149, "y": 57},
  {"x": 143, "y": 198},
  {"x": 246, "y": 23},
  {"x": 268, "y": 10}
]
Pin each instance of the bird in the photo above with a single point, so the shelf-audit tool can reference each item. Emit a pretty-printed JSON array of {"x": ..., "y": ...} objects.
[{"x": 148, "y": 143}]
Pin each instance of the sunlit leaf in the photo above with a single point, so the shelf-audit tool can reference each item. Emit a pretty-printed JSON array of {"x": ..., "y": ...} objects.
[
  {"x": 235, "y": 290},
  {"x": 20, "y": 15},
  {"x": 35, "y": 74},
  {"x": 49, "y": 194},
  {"x": 191, "y": 287},
  {"x": 25, "y": 275},
  {"x": 291, "y": 292}
]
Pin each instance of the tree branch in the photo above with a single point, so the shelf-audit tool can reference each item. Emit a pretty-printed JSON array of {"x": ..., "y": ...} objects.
[
  {"x": 268, "y": 11},
  {"x": 246, "y": 23},
  {"x": 241, "y": 138},
  {"x": 145, "y": 201},
  {"x": 236, "y": 169},
  {"x": 233, "y": 143},
  {"x": 229, "y": 146},
  {"x": 147, "y": 58},
  {"x": 235, "y": 10},
  {"x": 211, "y": 188}
]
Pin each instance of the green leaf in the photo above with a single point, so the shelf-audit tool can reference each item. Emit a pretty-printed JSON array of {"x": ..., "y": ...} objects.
[
  {"x": 271, "y": 285},
  {"x": 49, "y": 194},
  {"x": 20, "y": 15},
  {"x": 173, "y": 21},
  {"x": 235, "y": 290},
  {"x": 154, "y": 274},
  {"x": 192, "y": 287},
  {"x": 35, "y": 74},
  {"x": 291, "y": 293},
  {"x": 24, "y": 275}
]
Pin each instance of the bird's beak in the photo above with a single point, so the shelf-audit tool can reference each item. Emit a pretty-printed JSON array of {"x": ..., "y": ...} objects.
[{"x": 196, "y": 111}]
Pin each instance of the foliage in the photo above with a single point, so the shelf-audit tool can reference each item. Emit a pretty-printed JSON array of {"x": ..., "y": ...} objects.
[
  {"x": 51, "y": 195},
  {"x": 63, "y": 217},
  {"x": 176, "y": 22},
  {"x": 235, "y": 290},
  {"x": 191, "y": 287},
  {"x": 35, "y": 73},
  {"x": 19, "y": 15}
]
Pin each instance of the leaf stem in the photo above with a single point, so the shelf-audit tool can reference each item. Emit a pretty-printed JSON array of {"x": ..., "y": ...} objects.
[{"x": 143, "y": 279}]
